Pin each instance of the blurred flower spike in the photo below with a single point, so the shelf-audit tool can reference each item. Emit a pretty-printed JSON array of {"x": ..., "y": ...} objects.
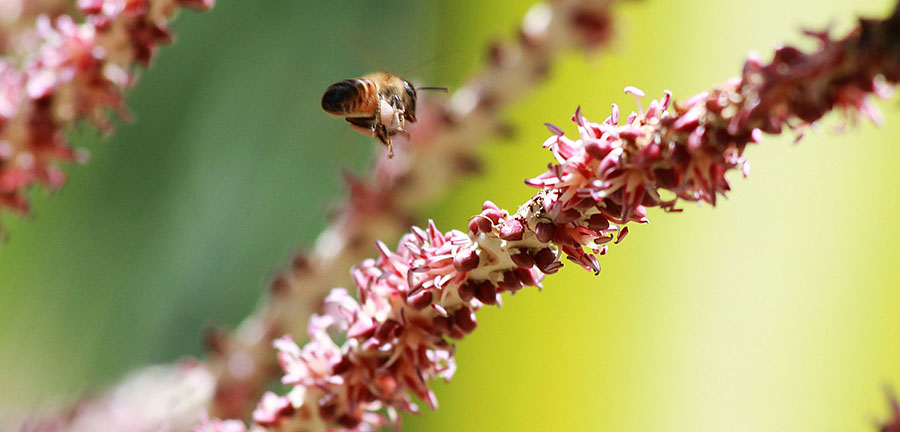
[
  {"x": 893, "y": 424},
  {"x": 77, "y": 71},
  {"x": 414, "y": 300}
]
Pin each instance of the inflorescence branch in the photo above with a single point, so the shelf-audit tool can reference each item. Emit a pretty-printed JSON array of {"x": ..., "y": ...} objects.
[
  {"x": 442, "y": 149},
  {"x": 395, "y": 336}
]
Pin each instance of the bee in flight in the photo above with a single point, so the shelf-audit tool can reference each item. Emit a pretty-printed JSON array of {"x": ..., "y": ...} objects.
[{"x": 377, "y": 105}]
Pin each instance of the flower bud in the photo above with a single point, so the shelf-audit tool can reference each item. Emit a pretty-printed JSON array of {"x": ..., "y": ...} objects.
[
  {"x": 523, "y": 259},
  {"x": 510, "y": 282},
  {"x": 466, "y": 291},
  {"x": 387, "y": 330},
  {"x": 486, "y": 293},
  {"x": 420, "y": 300},
  {"x": 465, "y": 260},
  {"x": 493, "y": 214},
  {"x": 441, "y": 324},
  {"x": 567, "y": 216},
  {"x": 489, "y": 205},
  {"x": 512, "y": 230},
  {"x": 544, "y": 259},
  {"x": 544, "y": 232},
  {"x": 597, "y": 222},
  {"x": 525, "y": 277},
  {"x": 479, "y": 224},
  {"x": 597, "y": 150},
  {"x": 465, "y": 319},
  {"x": 343, "y": 365}
]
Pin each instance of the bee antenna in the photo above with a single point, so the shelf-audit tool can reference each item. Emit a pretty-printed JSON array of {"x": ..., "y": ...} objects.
[{"x": 443, "y": 89}]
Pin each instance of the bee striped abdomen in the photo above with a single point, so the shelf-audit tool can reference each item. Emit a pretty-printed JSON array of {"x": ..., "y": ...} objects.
[{"x": 350, "y": 97}]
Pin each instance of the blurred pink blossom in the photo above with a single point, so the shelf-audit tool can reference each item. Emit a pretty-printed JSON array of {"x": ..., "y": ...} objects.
[{"x": 78, "y": 71}]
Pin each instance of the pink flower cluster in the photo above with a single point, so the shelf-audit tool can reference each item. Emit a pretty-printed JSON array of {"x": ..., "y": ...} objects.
[
  {"x": 411, "y": 301},
  {"x": 156, "y": 398},
  {"x": 368, "y": 356},
  {"x": 78, "y": 72}
]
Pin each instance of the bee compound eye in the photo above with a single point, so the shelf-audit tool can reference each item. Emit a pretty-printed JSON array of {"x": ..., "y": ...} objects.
[{"x": 410, "y": 90}]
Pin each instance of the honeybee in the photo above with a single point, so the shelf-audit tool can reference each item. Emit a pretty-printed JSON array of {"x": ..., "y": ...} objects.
[{"x": 377, "y": 105}]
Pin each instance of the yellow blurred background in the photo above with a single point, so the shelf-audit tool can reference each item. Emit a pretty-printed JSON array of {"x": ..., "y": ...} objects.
[{"x": 775, "y": 311}]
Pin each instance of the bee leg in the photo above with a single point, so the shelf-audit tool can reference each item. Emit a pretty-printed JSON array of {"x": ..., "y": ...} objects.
[
  {"x": 399, "y": 111},
  {"x": 381, "y": 132},
  {"x": 401, "y": 131},
  {"x": 398, "y": 120}
]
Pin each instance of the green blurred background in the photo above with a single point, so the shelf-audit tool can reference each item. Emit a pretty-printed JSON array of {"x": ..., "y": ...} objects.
[{"x": 776, "y": 311}]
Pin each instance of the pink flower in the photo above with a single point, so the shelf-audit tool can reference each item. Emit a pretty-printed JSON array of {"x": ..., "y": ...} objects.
[
  {"x": 216, "y": 425},
  {"x": 270, "y": 408}
]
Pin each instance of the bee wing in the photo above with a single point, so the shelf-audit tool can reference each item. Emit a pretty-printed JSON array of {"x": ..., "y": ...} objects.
[
  {"x": 363, "y": 122},
  {"x": 368, "y": 127}
]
